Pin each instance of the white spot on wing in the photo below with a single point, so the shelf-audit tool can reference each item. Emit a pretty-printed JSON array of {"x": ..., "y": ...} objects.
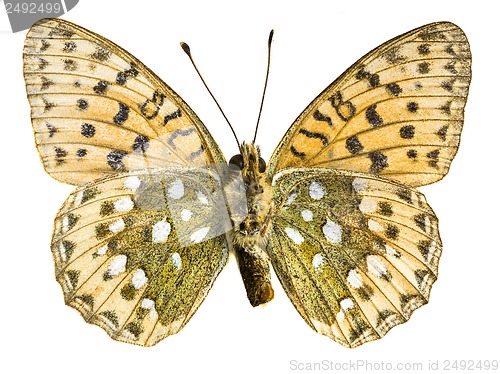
[
  {"x": 354, "y": 279},
  {"x": 62, "y": 251},
  {"x": 332, "y": 231},
  {"x": 176, "y": 189},
  {"x": 117, "y": 226},
  {"x": 368, "y": 205},
  {"x": 375, "y": 265},
  {"x": 347, "y": 304},
  {"x": 375, "y": 226},
  {"x": 65, "y": 223},
  {"x": 139, "y": 279},
  {"x": 202, "y": 198},
  {"x": 294, "y": 235},
  {"x": 132, "y": 183},
  {"x": 186, "y": 215},
  {"x": 307, "y": 215},
  {"x": 78, "y": 198},
  {"x": 117, "y": 265},
  {"x": 124, "y": 204},
  {"x": 359, "y": 184},
  {"x": 199, "y": 235},
  {"x": 318, "y": 261},
  {"x": 101, "y": 251},
  {"x": 291, "y": 198},
  {"x": 149, "y": 305},
  {"x": 176, "y": 261},
  {"x": 161, "y": 231},
  {"x": 316, "y": 191},
  {"x": 390, "y": 251}
]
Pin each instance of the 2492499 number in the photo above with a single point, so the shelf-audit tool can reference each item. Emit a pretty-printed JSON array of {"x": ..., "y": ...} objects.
[
  {"x": 33, "y": 8},
  {"x": 473, "y": 365}
]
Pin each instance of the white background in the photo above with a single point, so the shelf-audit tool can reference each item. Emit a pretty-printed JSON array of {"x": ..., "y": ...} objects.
[{"x": 314, "y": 42}]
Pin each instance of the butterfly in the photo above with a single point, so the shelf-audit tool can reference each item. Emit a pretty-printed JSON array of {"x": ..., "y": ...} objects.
[{"x": 157, "y": 209}]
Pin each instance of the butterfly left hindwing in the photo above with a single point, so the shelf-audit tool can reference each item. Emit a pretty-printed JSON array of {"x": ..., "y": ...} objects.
[{"x": 356, "y": 254}]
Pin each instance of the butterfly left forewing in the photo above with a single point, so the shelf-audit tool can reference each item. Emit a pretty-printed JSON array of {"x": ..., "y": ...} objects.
[
  {"x": 120, "y": 258},
  {"x": 397, "y": 112},
  {"x": 97, "y": 110},
  {"x": 355, "y": 253}
]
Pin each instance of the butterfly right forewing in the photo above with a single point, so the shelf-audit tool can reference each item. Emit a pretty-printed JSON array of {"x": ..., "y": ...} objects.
[{"x": 97, "y": 110}]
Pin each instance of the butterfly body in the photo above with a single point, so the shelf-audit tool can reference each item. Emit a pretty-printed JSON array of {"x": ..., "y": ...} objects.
[
  {"x": 250, "y": 237},
  {"x": 140, "y": 241}
]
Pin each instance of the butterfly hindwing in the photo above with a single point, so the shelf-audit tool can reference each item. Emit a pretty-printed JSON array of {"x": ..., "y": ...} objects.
[
  {"x": 118, "y": 253},
  {"x": 355, "y": 253},
  {"x": 397, "y": 112},
  {"x": 97, "y": 110}
]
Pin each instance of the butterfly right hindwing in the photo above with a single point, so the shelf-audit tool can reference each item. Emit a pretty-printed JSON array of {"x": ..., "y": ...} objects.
[
  {"x": 355, "y": 253},
  {"x": 120, "y": 256}
]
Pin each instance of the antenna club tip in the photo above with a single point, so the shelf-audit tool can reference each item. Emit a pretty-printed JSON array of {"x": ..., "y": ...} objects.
[
  {"x": 186, "y": 48},
  {"x": 271, "y": 36}
]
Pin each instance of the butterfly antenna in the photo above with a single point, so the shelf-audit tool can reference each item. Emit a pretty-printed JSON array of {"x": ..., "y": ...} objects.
[
  {"x": 186, "y": 49},
  {"x": 270, "y": 40}
]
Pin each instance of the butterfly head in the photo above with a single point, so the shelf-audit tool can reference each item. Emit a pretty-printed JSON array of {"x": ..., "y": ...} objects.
[{"x": 251, "y": 166}]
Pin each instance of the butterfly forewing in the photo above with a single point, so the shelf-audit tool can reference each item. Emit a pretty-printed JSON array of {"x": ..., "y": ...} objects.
[
  {"x": 97, "y": 110},
  {"x": 355, "y": 253},
  {"x": 119, "y": 258},
  {"x": 397, "y": 112}
]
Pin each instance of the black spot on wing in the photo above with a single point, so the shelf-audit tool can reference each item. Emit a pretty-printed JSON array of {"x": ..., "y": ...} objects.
[
  {"x": 115, "y": 160},
  {"x": 69, "y": 47},
  {"x": 81, "y": 153},
  {"x": 70, "y": 65},
  {"x": 196, "y": 153},
  {"x": 297, "y": 153},
  {"x": 101, "y": 87},
  {"x": 318, "y": 116},
  {"x": 423, "y": 68},
  {"x": 412, "y": 106},
  {"x": 372, "y": 116},
  {"x": 379, "y": 162},
  {"x": 46, "y": 83},
  {"x": 179, "y": 132},
  {"x": 424, "y": 49},
  {"x": 412, "y": 154},
  {"x": 314, "y": 135},
  {"x": 122, "y": 114},
  {"x": 171, "y": 116},
  {"x": 407, "y": 132},
  {"x": 100, "y": 54},
  {"x": 141, "y": 144},
  {"x": 394, "y": 89},
  {"x": 45, "y": 45},
  {"x": 353, "y": 145},
  {"x": 82, "y": 104},
  {"x": 52, "y": 129},
  {"x": 88, "y": 130},
  {"x": 442, "y": 132}
]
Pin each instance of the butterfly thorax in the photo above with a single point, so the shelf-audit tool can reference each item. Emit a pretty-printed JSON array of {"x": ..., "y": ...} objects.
[{"x": 249, "y": 235}]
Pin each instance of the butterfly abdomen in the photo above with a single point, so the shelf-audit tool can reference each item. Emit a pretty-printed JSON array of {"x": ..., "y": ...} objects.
[{"x": 254, "y": 268}]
